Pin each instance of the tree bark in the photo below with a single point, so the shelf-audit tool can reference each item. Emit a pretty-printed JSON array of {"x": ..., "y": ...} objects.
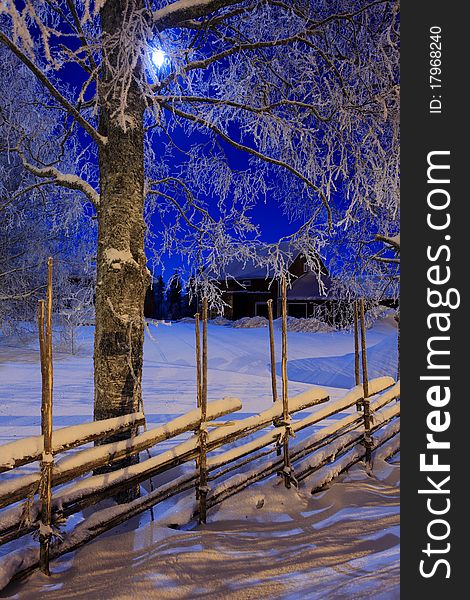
[{"x": 122, "y": 275}]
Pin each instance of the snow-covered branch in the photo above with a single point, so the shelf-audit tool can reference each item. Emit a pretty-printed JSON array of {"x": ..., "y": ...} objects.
[
  {"x": 22, "y": 296},
  {"x": 391, "y": 241},
  {"x": 61, "y": 99},
  {"x": 242, "y": 147},
  {"x": 178, "y": 12},
  {"x": 67, "y": 180},
  {"x": 259, "y": 110}
]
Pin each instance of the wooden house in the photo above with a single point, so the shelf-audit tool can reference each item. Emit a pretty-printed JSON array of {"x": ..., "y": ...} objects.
[{"x": 247, "y": 287}]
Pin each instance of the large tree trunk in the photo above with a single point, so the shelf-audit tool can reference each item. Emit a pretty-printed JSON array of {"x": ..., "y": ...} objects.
[{"x": 122, "y": 276}]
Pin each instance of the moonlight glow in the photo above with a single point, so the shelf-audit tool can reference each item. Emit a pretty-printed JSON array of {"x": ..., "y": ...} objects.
[{"x": 158, "y": 58}]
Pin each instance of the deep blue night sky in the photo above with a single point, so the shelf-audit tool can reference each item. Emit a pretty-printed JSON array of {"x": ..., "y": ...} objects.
[{"x": 267, "y": 214}]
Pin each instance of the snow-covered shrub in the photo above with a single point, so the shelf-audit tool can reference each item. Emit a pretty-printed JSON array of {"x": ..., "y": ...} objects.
[
  {"x": 187, "y": 320},
  {"x": 222, "y": 321},
  {"x": 309, "y": 325},
  {"x": 250, "y": 322}
]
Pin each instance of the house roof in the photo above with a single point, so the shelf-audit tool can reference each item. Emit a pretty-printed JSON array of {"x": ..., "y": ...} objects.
[
  {"x": 249, "y": 269},
  {"x": 307, "y": 287}
]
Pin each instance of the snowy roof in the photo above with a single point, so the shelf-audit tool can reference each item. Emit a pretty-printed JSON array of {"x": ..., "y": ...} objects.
[
  {"x": 239, "y": 269},
  {"x": 307, "y": 287}
]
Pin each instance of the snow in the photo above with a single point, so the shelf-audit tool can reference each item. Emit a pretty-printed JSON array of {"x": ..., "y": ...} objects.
[
  {"x": 310, "y": 325},
  {"x": 312, "y": 461},
  {"x": 100, "y": 482},
  {"x": 115, "y": 257},
  {"x": 32, "y": 448},
  {"x": 352, "y": 397},
  {"x": 388, "y": 449},
  {"x": 8, "y": 487},
  {"x": 150, "y": 437},
  {"x": 260, "y": 442},
  {"x": 267, "y": 541},
  {"x": 341, "y": 373},
  {"x": 378, "y": 417},
  {"x": 14, "y": 562},
  {"x": 336, "y": 446},
  {"x": 250, "y": 322},
  {"x": 180, "y": 5},
  {"x": 222, "y": 321},
  {"x": 326, "y": 474}
]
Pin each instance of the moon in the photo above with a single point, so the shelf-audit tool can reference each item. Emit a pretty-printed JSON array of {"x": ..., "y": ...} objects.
[{"x": 158, "y": 58}]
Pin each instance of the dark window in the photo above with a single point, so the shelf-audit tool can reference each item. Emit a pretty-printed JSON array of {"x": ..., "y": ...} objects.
[
  {"x": 246, "y": 283},
  {"x": 297, "y": 309}
]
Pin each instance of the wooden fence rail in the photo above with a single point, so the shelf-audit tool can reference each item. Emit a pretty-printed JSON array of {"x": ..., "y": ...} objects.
[
  {"x": 43, "y": 500},
  {"x": 250, "y": 461},
  {"x": 68, "y": 468},
  {"x": 28, "y": 450}
]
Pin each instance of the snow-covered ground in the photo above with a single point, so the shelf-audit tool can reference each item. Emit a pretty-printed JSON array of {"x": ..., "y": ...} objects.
[{"x": 263, "y": 543}]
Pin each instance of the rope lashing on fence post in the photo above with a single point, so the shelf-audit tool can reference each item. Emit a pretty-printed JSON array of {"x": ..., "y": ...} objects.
[
  {"x": 368, "y": 442},
  {"x": 203, "y": 489},
  {"x": 286, "y": 472},
  {"x": 357, "y": 373},
  {"x": 45, "y": 490}
]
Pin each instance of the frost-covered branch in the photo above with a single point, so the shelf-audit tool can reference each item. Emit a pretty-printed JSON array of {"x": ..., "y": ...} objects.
[
  {"x": 179, "y": 208},
  {"x": 243, "y": 148},
  {"x": 288, "y": 105},
  {"x": 13, "y": 197},
  {"x": 22, "y": 296},
  {"x": 72, "y": 182},
  {"x": 391, "y": 241},
  {"x": 259, "y": 110},
  {"x": 176, "y": 13},
  {"x": 81, "y": 34},
  {"x": 40, "y": 75}
]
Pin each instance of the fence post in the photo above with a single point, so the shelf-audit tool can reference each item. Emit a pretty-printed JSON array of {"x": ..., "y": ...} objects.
[
  {"x": 273, "y": 359},
  {"x": 286, "y": 471},
  {"x": 271, "y": 346},
  {"x": 45, "y": 345},
  {"x": 365, "y": 383},
  {"x": 357, "y": 374},
  {"x": 198, "y": 359},
  {"x": 202, "y": 486},
  {"x": 397, "y": 319}
]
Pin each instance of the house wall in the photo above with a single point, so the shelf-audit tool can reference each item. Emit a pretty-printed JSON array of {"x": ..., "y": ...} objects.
[
  {"x": 250, "y": 300},
  {"x": 244, "y": 304}
]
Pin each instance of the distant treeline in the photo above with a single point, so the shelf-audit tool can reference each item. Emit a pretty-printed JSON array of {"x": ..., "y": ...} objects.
[{"x": 168, "y": 300}]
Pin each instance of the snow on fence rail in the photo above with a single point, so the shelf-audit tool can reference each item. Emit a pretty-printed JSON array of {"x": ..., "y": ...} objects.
[
  {"x": 322, "y": 446},
  {"x": 90, "y": 459},
  {"x": 326, "y": 452},
  {"x": 30, "y": 449},
  {"x": 339, "y": 441}
]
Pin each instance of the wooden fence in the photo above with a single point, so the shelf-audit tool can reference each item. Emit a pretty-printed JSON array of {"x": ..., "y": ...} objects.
[
  {"x": 217, "y": 465},
  {"x": 227, "y": 471}
]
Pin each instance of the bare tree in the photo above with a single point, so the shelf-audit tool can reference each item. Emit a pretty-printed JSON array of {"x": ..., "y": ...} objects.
[
  {"x": 37, "y": 221},
  {"x": 196, "y": 110},
  {"x": 30, "y": 232}
]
